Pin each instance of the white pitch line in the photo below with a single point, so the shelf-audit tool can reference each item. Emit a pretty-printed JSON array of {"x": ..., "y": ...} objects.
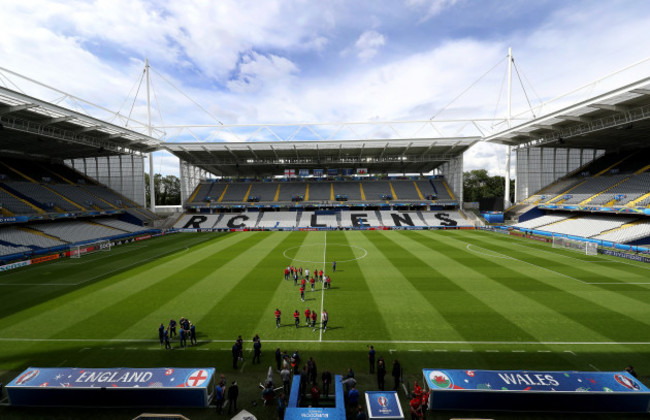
[
  {"x": 441, "y": 350},
  {"x": 519, "y": 351},
  {"x": 488, "y": 343},
  {"x": 543, "y": 351}
]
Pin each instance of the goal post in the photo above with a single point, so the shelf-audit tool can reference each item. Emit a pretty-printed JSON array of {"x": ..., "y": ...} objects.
[
  {"x": 77, "y": 251},
  {"x": 589, "y": 248}
]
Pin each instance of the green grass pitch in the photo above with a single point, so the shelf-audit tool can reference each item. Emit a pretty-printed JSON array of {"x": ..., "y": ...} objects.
[{"x": 448, "y": 299}]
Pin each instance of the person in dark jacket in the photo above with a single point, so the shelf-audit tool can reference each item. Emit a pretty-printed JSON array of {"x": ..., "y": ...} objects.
[
  {"x": 327, "y": 380},
  {"x": 381, "y": 373},
  {"x": 233, "y": 393},
  {"x": 397, "y": 373},
  {"x": 235, "y": 355}
]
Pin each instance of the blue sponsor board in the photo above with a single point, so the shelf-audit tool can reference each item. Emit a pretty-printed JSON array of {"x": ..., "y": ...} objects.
[
  {"x": 112, "y": 387},
  {"x": 383, "y": 405},
  {"x": 453, "y": 389}
]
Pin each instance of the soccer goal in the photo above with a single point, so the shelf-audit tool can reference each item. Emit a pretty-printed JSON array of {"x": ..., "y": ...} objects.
[
  {"x": 589, "y": 248},
  {"x": 76, "y": 251}
]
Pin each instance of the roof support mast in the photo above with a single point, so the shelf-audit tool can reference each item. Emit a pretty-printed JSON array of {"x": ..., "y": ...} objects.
[
  {"x": 506, "y": 199},
  {"x": 152, "y": 191}
]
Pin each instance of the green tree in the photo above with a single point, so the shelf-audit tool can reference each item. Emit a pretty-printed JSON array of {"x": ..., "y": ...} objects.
[
  {"x": 479, "y": 184},
  {"x": 167, "y": 189}
]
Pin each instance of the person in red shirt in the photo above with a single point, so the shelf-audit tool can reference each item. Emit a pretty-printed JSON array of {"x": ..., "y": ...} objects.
[
  {"x": 312, "y": 281},
  {"x": 303, "y": 282},
  {"x": 313, "y": 320},
  {"x": 286, "y": 274},
  {"x": 425, "y": 403},
  {"x": 300, "y": 271},
  {"x": 320, "y": 274},
  {"x": 328, "y": 282},
  {"x": 277, "y": 317},
  {"x": 315, "y": 395},
  {"x": 296, "y": 317},
  {"x": 302, "y": 293},
  {"x": 417, "y": 389},
  {"x": 307, "y": 316},
  {"x": 416, "y": 407}
]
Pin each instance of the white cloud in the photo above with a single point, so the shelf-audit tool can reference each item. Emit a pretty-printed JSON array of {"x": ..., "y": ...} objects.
[
  {"x": 368, "y": 44},
  {"x": 432, "y": 7}
]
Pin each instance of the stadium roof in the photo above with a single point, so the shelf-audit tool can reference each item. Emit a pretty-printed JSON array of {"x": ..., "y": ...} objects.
[
  {"x": 271, "y": 158},
  {"x": 36, "y": 128},
  {"x": 614, "y": 120}
]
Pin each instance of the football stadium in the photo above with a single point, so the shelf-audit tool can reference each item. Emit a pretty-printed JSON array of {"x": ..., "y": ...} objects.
[{"x": 349, "y": 264}]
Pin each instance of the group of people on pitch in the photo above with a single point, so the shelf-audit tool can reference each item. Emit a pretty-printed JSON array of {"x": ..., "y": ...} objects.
[
  {"x": 310, "y": 318},
  {"x": 299, "y": 278},
  {"x": 187, "y": 330}
]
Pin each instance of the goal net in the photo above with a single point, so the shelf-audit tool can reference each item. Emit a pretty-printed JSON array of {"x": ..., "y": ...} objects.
[
  {"x": 76, "y": 251},
  {"x": 589, "y": 248}
]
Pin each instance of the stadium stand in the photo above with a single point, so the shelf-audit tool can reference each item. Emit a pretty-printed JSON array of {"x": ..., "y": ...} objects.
[
  {"x": 406, "y": 190},
  {"x": 42, "y": 197},
  {"x": 444, "y": 219},
  {"x": 28, "y": 237},
  {"x": 307, "y": 217},
  {"x": 401, "y": 218},
  {"x": 236, "y": 192},
  {"x": 627, "y": 233},
  {"x": 628, "y": 190},
  {"x": 589, "y": 225},
  {"x": 290, "y": 190},
  {"x": 15, "y": 205},
  {"x": 543, "y": 220},
  {"x": 280, "y": 219},
  {"x": 320, "y": 191},
  {"x": 350, "y": 189},
  {"x": 76, "y": 231},
  {"x": 375, "y": 190}
]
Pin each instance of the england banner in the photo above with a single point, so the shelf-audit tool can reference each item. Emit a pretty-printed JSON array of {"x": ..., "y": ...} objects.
[
  {"x": 150, "y": 386},
  {"x": 289, "y": 173}
]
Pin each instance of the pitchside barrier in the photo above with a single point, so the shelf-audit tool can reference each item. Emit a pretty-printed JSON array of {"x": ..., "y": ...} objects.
[
  {"x": 119, "y": 387},
  {"x": 295, "y": 412},
  {"x": 596, "y": 392}
]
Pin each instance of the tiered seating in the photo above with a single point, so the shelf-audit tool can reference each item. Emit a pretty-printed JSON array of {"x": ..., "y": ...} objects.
[
  {"x": 630, "y": 190},
  {"x": 14, "y": 205},
  {"x": 443, "y": 194},
  {"x": 265, "y": 191},
  {"x": 9, "y": 250},
  {"x": 320, "y": 191},
  {"x": 405, "y": 190},
  {"x": 202, "y": 192},
  {"x": 389, "y": 218},
  {"x": 351, "y": 189},
  {"x": 108, "y": 196},
  {"x": 426, "y": 188},
  {"x": 592, "y": 187},
  {"x": 240, "y": 220},
  {"x": 77, "y": 194},
  {"x": 119, "y": 224},
  {"x": 588, "y": 226},
  {"x": 24, "y": 237},
  {"x": 370, "y": 218},
  {"x": 444, "y": 218},
  {"x": 627, "y": 234},
  {"x": 290, "y": 189},
  {"x": 328, "y": 220},
  {"x": 552, "y": 191},
  {"x": 280, "y": 219},
  {"x": 236, "y": 192},
  {"x": 543, "y": 220},
  {"x": 375, "y": 189},
  {"x": 42, "y": 195},
  {"x": 76, "y": 231}
]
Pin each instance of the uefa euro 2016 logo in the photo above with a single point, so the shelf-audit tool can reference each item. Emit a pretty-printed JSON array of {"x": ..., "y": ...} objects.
[{"x": 383, "y": 401}]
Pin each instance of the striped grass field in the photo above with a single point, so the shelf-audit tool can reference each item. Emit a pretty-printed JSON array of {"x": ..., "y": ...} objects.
[{"x": 447, "y": 299}]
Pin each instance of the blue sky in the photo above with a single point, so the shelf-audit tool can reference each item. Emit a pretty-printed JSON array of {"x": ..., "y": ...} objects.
[{"x": 286, "y": 61}]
